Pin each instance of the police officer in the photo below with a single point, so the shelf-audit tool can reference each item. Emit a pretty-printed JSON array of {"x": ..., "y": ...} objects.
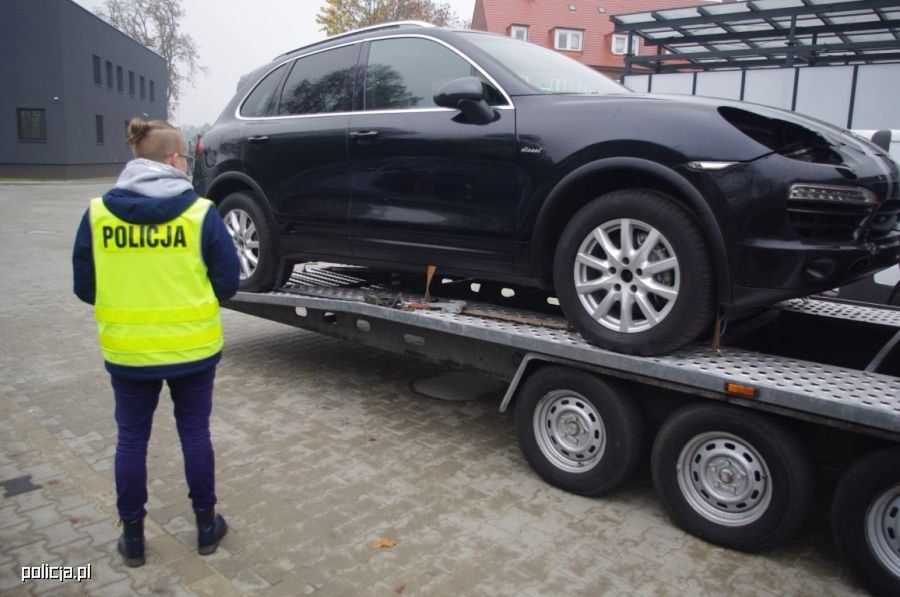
[{"x": 155, "y": 260}]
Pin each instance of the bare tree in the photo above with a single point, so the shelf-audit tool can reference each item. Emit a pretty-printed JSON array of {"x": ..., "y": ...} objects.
[
  {"x": 338, "y": 16},
  {"x": 157, "y": 25}
]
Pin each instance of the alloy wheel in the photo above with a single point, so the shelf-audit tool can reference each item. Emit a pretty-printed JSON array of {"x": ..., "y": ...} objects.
[
  {"x": 246, "y": 240},
  {"x": 627, "y": 275}
]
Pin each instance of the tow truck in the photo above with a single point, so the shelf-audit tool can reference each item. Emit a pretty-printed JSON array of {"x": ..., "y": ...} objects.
[{"x": 740, "y": 426}]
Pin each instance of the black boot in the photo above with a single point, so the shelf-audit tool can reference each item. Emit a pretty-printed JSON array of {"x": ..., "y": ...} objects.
[
  {"x": 211, "y": 527},
  {"x": 131, "y": 543}
]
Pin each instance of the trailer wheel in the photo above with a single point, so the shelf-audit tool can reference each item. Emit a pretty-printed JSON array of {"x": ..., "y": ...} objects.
[
  {"x": 865, "y": 520},
  {"x": 578, "y": 431},
  {"x": 734, "y": 478},
  {"x": 254, "y": 240}
]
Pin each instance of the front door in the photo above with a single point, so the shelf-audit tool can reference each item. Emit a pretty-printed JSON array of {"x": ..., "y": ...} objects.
[{"x": 428, "y": 187}]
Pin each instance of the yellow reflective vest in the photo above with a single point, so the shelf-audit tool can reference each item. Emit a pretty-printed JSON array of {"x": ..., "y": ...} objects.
[{"x": 155, "y": 304}]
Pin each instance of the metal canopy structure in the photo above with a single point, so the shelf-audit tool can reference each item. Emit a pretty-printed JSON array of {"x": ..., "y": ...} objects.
[{"x": 765, "y": 33}]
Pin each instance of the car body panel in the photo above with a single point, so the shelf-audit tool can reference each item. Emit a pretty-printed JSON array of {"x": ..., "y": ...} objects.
[{"x": 430, "y": 188}]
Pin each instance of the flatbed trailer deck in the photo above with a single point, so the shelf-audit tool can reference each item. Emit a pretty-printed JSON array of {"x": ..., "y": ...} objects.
[{"x": 802, "y": 368}]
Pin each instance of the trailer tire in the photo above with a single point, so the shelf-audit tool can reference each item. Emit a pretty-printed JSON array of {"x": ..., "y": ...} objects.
[
  {"x": 734, "y": 478},
  {"x": 254, "y": 240},
  {"x": 579, "y": 432},
  {"x": 865, "y": 520}
]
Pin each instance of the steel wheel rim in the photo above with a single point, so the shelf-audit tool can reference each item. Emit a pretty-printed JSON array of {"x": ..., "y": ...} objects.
[
  {"x": 569, "y": 431},
  {"x": 724, "y": 479},
  {"x": 627, "y": 275},
  {"x": 883, "y": 529},
  {"x": 246, "y": 240}
]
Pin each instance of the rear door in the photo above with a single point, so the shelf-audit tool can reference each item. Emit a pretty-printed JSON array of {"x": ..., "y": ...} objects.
[
  {"x": 298, "y": 152},
  {"x": 428, "y": 187}
]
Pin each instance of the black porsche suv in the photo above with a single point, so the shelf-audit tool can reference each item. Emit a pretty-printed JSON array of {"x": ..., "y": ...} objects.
[{"x": 406, "y": 145}]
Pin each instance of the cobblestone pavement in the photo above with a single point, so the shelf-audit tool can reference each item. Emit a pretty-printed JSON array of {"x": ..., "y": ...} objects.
[{"x": 323, "y": 449}]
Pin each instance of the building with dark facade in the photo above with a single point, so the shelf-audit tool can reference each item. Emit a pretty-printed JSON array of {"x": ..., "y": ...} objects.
[{"x": 71, "y": 83}]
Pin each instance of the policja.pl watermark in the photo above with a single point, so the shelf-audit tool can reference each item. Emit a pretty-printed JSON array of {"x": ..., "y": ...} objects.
[{"x": 57, "y": 573}]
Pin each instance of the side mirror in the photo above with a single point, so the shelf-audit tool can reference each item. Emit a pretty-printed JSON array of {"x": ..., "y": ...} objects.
[{"x": 466, "y": 95}]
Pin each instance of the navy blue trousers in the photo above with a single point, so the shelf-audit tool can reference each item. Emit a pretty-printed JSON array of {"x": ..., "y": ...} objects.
[{"x": 136, "y": 402}]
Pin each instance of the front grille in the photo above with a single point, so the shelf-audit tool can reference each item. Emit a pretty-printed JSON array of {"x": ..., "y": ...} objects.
[{"x": 827, "y": 220}]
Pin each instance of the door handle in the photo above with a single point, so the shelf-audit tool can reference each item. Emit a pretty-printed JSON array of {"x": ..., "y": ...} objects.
[
  {"x": 258, "y": 138},
  {"x": 363, "y": 135}
]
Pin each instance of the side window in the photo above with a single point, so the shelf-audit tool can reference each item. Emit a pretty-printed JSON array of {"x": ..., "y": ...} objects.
[
  {"x": 258, "y": 102},
  {"x": 405, "y": 73},
  {"x": 320, "y": 83}
]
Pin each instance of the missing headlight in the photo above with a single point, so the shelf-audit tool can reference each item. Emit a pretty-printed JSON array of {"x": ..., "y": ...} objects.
[{"x": 782, "y": 137}]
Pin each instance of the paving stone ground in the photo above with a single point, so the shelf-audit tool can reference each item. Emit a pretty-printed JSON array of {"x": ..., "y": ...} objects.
[{"x": 322, "y": 448}]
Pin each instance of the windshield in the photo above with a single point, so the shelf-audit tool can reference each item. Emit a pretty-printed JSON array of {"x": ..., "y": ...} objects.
[{"x": 543, "y": 70}]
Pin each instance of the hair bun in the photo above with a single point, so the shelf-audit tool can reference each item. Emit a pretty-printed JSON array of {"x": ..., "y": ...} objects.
[{"x": 137, "y": 130}]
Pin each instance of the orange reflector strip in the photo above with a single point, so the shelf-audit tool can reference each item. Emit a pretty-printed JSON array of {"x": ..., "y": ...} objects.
[{"x": 736, "y": 388}]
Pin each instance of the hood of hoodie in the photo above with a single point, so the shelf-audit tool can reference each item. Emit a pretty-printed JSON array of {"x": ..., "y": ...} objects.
[{"x": 149, "y": 192}]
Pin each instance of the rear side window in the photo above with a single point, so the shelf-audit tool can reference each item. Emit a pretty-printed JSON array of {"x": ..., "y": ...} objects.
[
  {"x": 404, "y": 73},
  {"x": 258, "y": 102},
  {"x": 320, "y": 83}
]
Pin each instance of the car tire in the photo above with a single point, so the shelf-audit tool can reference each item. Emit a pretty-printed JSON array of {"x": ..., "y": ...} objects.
[
  {"x": 865, "y": 520},
  {"x": 254, "y": 240},
  {"x": 731, "y": 477},
  {"x": 579, "y": 432},
  {"x": 666, "y": 289}
]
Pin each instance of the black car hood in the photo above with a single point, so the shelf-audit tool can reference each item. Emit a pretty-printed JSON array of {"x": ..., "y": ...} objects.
[
  {"x": 710, "y": 134},
  {"x": 834, "y": 135}
]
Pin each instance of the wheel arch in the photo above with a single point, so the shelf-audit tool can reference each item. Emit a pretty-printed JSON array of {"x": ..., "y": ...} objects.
[
  {"x": 231, "y": 182},
  {"x": 579, "y": 187}
]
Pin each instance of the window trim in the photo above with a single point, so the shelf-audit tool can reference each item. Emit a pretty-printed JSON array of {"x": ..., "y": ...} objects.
[
  {"x": 636, "y": 42},
  {"x": 19, "y": 138},
  {"x": 131, "y": 85},
  {"x": 151, "y": 90},
  {"x": 143, "y": 87},
  {"x": 120, "y": 79},
  {"x": 558, "y": 30},
  {"x": 491, "y": 80},
  {"x": 512, "y": 32}
]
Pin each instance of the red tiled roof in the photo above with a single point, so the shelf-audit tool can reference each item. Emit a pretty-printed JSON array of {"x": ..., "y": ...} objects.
[{"x": 543, "y": 16}]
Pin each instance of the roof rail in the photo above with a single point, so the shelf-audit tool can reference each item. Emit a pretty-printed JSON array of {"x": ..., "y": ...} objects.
[
  {"x": 390, "y": 25},
  {"x": 383, "y": 26}
]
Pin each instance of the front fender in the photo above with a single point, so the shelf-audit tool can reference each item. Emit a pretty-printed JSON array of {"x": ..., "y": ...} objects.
[{"x": 686, "y": 192}]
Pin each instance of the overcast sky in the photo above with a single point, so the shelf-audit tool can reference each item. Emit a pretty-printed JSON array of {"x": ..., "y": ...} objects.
[{"x": 234, "y": 38}]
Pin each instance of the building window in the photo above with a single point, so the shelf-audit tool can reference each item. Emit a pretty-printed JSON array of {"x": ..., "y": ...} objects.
[
  {"x": 97, "y": 77},
  {"x": 143, "y": 88},
  {"x": 32, "y": 124},
  {"x": 152, "y": 91},
  {"x": 99, "y": 123},
  {"x": 109, "y": 81},
  {"x": 131, "y": 83},
  {"x": 519, "y": 32},
  {"x": 120, "y": 79},
  {"x": 568, "y": 39},
  {"x": 620, "y": 44}
]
